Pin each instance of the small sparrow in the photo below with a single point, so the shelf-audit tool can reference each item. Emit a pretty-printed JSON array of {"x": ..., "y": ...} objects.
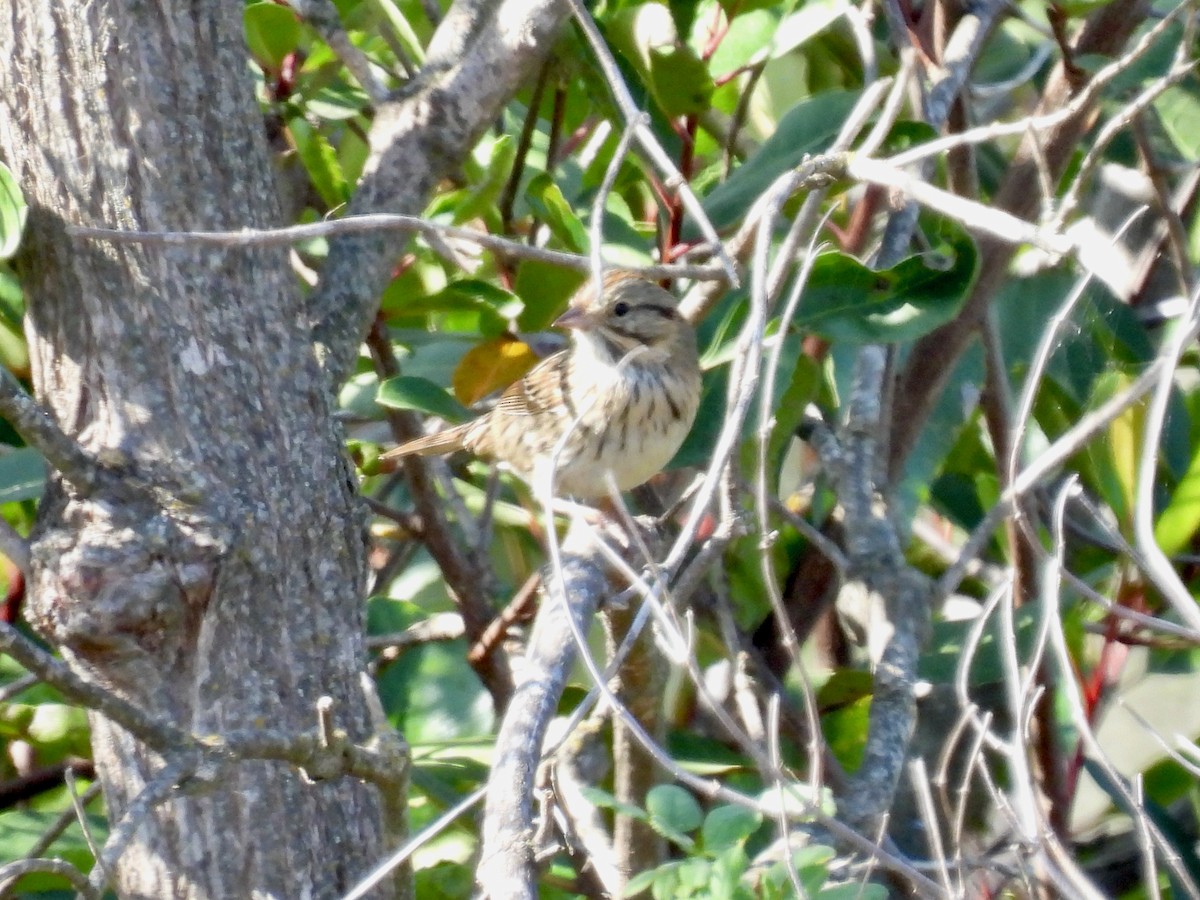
[{"x": 620, "y": 399}]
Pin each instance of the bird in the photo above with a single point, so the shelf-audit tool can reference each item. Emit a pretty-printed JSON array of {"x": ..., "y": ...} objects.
[{"x": 620, "y": 399}]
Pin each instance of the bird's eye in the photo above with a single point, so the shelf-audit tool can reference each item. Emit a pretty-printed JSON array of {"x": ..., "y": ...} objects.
[{"x": 621, "y": 308}]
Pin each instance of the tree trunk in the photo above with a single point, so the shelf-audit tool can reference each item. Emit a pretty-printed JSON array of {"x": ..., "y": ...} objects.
[{"x": 220, "y": 583}]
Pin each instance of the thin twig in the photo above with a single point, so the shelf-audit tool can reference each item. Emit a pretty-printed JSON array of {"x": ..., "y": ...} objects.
[
  {"x": 506, "y": 248},
  {"x": 14, "y": 870},
  {"x": 39, "y": 430},
  {"x": 672, "y": 177},
  {"x": 1160, "y": 569},
  {"x": 323, "y": 16}
]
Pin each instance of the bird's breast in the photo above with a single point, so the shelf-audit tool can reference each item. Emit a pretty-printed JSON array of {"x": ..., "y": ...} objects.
[{"x": 635, "y": 423}]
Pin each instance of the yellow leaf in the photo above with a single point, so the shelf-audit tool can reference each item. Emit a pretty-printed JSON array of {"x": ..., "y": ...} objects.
[{"x": 486, "y": 367}]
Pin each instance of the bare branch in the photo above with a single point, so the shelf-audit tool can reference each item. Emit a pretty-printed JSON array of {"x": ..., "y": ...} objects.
[
  {"x": 466, "y": 574},
  {"x": 505, "y": 248},
  {"x": 976, "y": 216},
  {"x": 934, "y": 356},
  {"x": 304, "y": 750},
  {"x": 673, "y": 179},
  {"x": 1166, "y": 579},
  {"x": 323, "y": 16},
  {"x": 506, "y": 866},
  {"x": 875, "y": 557},
  {"x": 14, "y": 870},
  {"x": 40, "y": 431},
  {"x": 479, "y": 56}
]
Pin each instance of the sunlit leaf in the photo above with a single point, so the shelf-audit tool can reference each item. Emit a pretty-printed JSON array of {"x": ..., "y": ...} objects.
[
  {"x": 674, "y": 812},
  {"x": 728, "y": 826},
  {"x": 272, "y": 32},
  {"x": 808, "y": 128},
  {"x": 804, "y": 24},
  {"x": 1178, "y": 109},
  {"x": 320, "y": 161},
  {"x": 679, "y": 81},
  {"x": 1179, "y": 520},
  {"x": 481, "y": 197},
  {"x": 410, "y": 392},
  {"x": 547, "y": 200},
  {"x": 855, "y": 890},
  {"x": 602, "y": 798},
  {"x": 790, "y": 410},
  {"x": 22, "y": 475},
  {"x": 847, "y": 301},
  {"x": 13, "y": 212},
  {"x": 489, "y": 366},
  {"x": 12, "y": 298},
  {"x": 337, "y": 102},
  {"x": 1125, "y": 447}
]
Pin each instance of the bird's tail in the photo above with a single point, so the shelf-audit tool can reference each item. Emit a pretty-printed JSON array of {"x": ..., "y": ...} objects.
[{"x": 435, "y": 444}]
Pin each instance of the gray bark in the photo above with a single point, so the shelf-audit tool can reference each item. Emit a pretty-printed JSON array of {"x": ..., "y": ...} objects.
[{"x": 215, "y": 575}]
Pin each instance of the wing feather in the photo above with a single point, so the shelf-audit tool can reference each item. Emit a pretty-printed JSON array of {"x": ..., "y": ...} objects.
[
  {"x": 435, "y": 444},
  {"x": 542, "y": 392}
]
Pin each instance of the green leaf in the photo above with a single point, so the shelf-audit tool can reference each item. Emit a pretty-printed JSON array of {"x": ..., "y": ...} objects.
[
  {"x": 409, "y": 392},
  {"x": 13, "y": 212},
  {"x": 845, "y": 686},
  {"x": 748, "y": 38},
  {"x": 336, "y": 102},
  {"x": 22, "y": 829},
  {"x": 803, "y": 25},
  {"x": 22, "y": 475},
  {"x": 544, "y": 290},
  {"x": 320, "y": 161},
  {"x": 483, "y": 294},
  {"x": 940, "y": 664},
  {"x": 1179, "y": 520},
  {"x": 854, "y": 891},
  {"x": 481, "y": 197},
  {"x": 549, "y": 204},
  {"x": 807, "y": 128},
  {"x": 728, "y": 826},
  {"x": 642, "y": 880},
  {"x": 599, "y": 797},
  {"x": 674, "y": 808},
  {"x": 14, "y": 352},
  {"x": 848, "y": 302},
  {"x": 811, "y": 864},
  {"x": 679, "y": 81},
  {"x": 12, "y": 298},
  {"x": 1178, "y": 109},
  {"x": 272, "y": 32},
  {"x": 727, "y": 872},
  {"x": 697, "y": 447},
  {"x": 1123, "y": 451},
  {"x": 794, "y": 799}
]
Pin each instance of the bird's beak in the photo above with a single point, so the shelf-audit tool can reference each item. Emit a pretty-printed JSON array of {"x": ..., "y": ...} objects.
[{"x": 573, "y": 318}]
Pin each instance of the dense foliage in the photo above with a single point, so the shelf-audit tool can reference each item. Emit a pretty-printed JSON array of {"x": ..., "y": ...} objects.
[{"x": 1054, "y": 685}]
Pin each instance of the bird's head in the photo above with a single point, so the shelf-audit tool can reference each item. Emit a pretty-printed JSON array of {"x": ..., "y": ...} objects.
[{"x": 629, "y": 314}]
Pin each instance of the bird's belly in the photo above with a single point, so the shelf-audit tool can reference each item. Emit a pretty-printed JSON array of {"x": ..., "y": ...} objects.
[{"x": 634, "y": 443}]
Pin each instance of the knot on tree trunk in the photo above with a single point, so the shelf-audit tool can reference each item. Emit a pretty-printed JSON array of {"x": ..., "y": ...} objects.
[{"x": 120, "y": 582}]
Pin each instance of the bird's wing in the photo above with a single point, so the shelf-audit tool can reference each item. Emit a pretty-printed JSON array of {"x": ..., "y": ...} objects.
[
  {"x": 542, "y": 392},
  {"x": 432, "y": 444}
]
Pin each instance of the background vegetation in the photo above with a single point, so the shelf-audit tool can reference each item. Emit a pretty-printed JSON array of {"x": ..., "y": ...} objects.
[{"x": 918, "y": 610}]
